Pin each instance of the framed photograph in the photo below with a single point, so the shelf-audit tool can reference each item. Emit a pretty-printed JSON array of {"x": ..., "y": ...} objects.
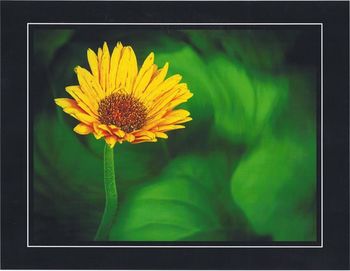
[{"x": 175, "y": 135}]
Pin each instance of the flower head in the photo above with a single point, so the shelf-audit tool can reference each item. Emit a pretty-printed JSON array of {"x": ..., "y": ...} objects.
[{"x": 118, "y": 102}]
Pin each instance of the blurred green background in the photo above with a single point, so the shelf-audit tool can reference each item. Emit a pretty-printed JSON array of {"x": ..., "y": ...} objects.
[{"x": 243, "y": 170}]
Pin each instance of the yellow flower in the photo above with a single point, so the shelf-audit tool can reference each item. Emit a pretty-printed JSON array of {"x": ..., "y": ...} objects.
[{"x": 121, "y": 103}]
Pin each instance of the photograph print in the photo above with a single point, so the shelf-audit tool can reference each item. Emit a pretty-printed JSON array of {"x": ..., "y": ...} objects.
[{"x": 174, "y": 135}]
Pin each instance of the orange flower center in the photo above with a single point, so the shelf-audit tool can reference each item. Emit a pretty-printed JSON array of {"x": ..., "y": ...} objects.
[{"x": 122, "y": 110}]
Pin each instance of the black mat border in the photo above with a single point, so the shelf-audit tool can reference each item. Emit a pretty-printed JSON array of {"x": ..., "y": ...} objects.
[{"x": 333, "y": 15}]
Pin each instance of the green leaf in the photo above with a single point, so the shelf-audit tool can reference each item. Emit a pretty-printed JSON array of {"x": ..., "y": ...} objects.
[
  {"x": 188, "y": 201},
  {"x": 275, "y": 182},
  {"x": 244, "y": 103},
  {"x": 275, "y": 187}
]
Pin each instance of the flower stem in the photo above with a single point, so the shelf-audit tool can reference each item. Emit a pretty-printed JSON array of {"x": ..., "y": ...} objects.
[{"x": 111, "y": 196}]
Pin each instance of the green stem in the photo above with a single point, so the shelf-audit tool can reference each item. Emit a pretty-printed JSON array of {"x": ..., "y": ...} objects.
[{"x": 111, "y": 196}]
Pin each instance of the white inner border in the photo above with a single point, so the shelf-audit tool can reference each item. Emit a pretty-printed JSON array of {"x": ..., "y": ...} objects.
[{"x": 184, "y": 24}]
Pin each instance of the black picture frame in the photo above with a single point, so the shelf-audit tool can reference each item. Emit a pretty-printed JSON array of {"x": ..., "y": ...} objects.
[{"x": 332, "y": 249}]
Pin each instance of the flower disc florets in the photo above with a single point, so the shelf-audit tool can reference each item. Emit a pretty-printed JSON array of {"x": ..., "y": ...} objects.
[{"x": 124, "y": 111}]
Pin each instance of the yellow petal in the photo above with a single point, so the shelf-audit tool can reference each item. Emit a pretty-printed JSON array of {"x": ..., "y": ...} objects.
[
  {"x": 145, "y": 67},
  {"x": 85, "y": 118},
  {"x": 74, "y": 110},
  {"x": 153, "y": 123},
  {"x": 161, "y": 135},
  {"x": 184, "y": 120},
  {"x": 115, "y": 58},
  {"x": 93, "y": 63},
  {"x": 182, "y": 95},
  {"x": 144, "y": 81},
  {"x": 98, "y": 135},
  {"x": 182, "y": 113},
  {"x": 129, "y": 137},
  {"x": 157, "y": 79},
  {"x": 99, "y": 57},
  {"x": 175, "y": 117},
  {"x": 123, "y": 68},
  {"x": 165, "y": 86},
  {"x": 155, "y": 117},
  {"x": 160, "y": 104},
  {"x": 132, "y": 71},
  {"x": 180, "y": 89},
  {"x": 184, "y": 92},
  {"x": 82, "y": 100},
  {"x": 147, "y": 134},
  {"x": 111, "y": 140},
  {"x": 89, "y": 85},
  {"x": 173, "y": 120},
  {"x": 83, "y": 129},
  {"x": 117, "y": 131},
  {"x": 65, "y": 102},
  {"x": 98, "y": 132},
  {"x": 104, "y": 66},
  {"x": 143, "y": 139},
  {"x": 170, "y": 127},
  {"x": 76, "y": 113},
  {"x": 179, "y": 100},
  {"x": 104, "y": 127},
  {"x": 186, "y": 95},
  {"x": 175, "y": 103}
]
